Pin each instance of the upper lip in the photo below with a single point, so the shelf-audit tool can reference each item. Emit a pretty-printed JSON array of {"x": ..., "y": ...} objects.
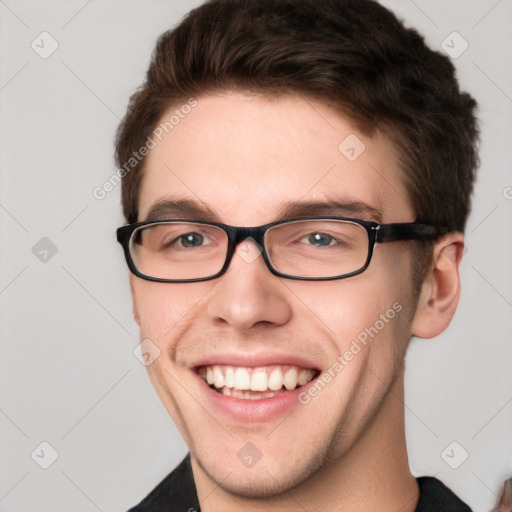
[{"x": 253, "y": 360}]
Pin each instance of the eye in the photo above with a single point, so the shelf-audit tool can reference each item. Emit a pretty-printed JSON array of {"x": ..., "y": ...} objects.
[
  {"x": 191, "y": 240},
  {"x": 320, "y": 239}
]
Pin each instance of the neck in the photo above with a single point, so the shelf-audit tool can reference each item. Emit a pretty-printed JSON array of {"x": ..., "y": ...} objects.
[{"x": 372, "y": 475}]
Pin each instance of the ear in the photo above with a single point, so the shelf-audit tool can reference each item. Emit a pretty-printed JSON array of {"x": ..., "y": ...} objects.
[
  {"x": 136, "y": 316},
  {"x": 440, "y": 290}
]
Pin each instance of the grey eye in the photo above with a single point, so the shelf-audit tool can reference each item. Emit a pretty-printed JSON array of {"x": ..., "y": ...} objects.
[
  {"x": 191, "y": 240},
  {"x": 319, "y": 239}
]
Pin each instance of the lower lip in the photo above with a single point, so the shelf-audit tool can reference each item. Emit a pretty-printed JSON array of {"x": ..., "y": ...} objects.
[{"x": 261, "y": 410}]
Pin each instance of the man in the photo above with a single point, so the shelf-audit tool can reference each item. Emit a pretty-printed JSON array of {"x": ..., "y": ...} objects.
[{"x": 297, "y": 180}]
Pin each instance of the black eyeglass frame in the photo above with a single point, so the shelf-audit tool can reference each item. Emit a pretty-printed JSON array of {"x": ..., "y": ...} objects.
[{"x": 377, "y": 233}]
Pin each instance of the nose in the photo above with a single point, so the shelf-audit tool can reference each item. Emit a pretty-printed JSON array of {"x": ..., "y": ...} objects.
[{"x": 249, "y": 294}]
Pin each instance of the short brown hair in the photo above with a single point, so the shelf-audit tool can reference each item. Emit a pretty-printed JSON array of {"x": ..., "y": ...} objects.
[{"x": 353, "y": 54}]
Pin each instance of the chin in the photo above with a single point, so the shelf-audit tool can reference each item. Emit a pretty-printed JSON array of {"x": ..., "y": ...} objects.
[{"x": 267, "y": 478}]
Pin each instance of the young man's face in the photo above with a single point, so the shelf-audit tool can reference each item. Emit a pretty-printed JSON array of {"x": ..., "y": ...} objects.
[{"x": 246, "y": 159}]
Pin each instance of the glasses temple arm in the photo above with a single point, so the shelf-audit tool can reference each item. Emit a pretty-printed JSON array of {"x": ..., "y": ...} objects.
[{"x": 407, "y": 231}]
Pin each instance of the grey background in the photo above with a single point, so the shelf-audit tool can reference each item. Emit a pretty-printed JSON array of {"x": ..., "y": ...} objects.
[{"x": 68, "y": 375}]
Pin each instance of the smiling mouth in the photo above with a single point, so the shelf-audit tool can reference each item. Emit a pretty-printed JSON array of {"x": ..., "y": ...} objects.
[{"x": 255, "y": 383}]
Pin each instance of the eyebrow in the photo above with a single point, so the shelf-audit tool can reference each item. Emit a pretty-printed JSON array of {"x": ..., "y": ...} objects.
[
  {"x": 338, "y": 208},
  {"x": 180, "y": 208}
]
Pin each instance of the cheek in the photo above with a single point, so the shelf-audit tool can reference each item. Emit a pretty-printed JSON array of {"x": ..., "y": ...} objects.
[
  {"x": 162, "y": 306},
  {"x": 366, "y": 319},
  {"x": 348, "y": 306}
]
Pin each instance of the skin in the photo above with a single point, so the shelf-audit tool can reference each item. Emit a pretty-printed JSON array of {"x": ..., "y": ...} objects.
[{"x": 243, "y": 155}]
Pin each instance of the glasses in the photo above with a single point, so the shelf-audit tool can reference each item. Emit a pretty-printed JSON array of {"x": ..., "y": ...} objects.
[{"x": 305, "y": 248}]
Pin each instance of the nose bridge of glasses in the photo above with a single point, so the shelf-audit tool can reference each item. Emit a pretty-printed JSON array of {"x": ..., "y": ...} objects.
[
  {"x": 254, "y": 234},
  {"x": 248, "y": 252}
]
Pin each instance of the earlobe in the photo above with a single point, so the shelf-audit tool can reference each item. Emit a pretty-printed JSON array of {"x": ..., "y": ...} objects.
[
  {"x": 440, "y": 290},
  {"x": 135, "y": 309}
]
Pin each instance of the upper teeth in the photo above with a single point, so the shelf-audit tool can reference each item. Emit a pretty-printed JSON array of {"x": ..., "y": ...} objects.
[{"x": 256, "y": 379}]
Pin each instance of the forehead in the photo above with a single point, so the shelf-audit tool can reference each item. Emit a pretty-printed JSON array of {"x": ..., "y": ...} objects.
[{"x": 246, "y": 159}]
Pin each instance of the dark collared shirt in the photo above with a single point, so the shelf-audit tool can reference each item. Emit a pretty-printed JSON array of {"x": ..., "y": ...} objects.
[{"x": 177, "y": 493}]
